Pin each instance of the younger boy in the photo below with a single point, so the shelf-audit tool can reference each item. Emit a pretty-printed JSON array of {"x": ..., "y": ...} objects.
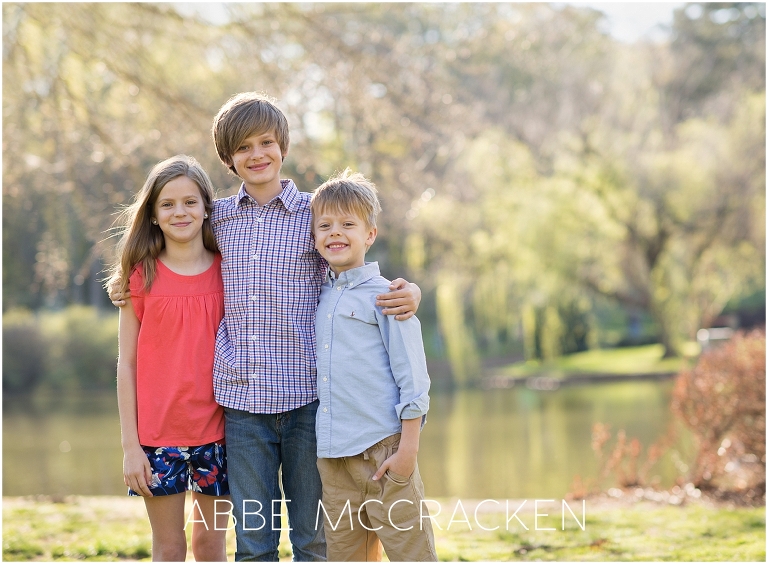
[{"x": 373, "y": 386}]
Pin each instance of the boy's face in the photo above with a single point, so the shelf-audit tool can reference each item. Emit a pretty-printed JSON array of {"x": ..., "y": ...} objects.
[
  {"x": 257, "y": 161},
  {"x": 342, "y": 238}
]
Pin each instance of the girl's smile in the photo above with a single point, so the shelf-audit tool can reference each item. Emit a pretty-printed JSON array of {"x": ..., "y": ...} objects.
[{"x": 180, "y": 210}]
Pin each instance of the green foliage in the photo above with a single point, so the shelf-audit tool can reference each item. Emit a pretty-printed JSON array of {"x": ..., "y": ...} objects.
[
  {"x": 74, "y": 348},
  {"x": 459, "y": 343},
  {"x": 83, "y": 347},
  {"x": 24, "y": 351},
  {"x": 516, "y": 144},
  {"x": 722, "y": 400},
  {"x": 715, "y": 43},
  {"x": 558, "y": 330}
]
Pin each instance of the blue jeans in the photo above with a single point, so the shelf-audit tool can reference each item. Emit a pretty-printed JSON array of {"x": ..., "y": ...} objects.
[{"x": 257, "y": 445}]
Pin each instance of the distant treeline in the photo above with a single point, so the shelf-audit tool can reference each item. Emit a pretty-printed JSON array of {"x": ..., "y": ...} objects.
[
  {"x": 75, "y": 348},
  {"x": 544, "y": 183}
]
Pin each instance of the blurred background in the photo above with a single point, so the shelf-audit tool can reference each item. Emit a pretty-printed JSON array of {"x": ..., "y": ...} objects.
[{"x": 582, "y": 204}]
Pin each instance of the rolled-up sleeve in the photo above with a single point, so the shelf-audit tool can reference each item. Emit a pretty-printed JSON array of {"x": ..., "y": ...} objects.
[{"x": 409, "y": 366}]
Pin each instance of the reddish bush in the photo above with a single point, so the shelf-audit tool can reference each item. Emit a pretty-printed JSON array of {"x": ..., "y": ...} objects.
[
  {"x": 623, "y": 458},
  {"x": 722, "y": 401}
]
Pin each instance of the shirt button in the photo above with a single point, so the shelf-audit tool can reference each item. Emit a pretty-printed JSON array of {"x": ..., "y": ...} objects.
[
  {"x": 325, "y": 379},
  {"x": 325, "y": 410},
  {"x": 253, "y": 337},
  {"x": 259, "y": 220},
  {"x": 329, "y": 316},
  {"x": 326, "y": 346},
  {"x": 338, "y": 288},
  {"x": 253, "y": 298},
  {"x": 254, "y": 257}
]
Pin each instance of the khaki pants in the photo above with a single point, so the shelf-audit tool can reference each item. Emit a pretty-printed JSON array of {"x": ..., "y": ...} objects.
[{"x": 391, "y": 503}]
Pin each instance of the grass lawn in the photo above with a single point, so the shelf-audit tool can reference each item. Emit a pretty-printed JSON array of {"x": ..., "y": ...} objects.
[
  {"x": 643, "y": 532},
  {"x": 625, "y": 360},
  {"x": 115, "y": 528}
]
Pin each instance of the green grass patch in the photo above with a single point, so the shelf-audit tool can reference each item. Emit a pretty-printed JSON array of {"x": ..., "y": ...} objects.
[
  {"x": 644, "y": 532},
  {"x": 116, "y": 528},
  {"x": 625, "y": 360},
  {"x": 98, "y": 528}
]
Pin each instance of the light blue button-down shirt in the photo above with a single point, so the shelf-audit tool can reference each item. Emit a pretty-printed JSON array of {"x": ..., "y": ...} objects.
[{"x": 371, "y": 369}]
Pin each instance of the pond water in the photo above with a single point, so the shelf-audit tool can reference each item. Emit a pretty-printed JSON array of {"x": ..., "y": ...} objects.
[{"x": 496, "y": 444}]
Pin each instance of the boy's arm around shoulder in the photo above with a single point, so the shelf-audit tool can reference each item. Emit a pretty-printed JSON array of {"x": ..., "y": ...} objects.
[{"x": 401, "y": 299}]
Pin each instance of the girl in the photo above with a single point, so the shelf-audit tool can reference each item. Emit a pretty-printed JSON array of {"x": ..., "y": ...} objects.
[{"x": 172, "y": 428}]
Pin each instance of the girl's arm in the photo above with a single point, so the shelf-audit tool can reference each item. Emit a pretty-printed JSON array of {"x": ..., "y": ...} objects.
[{"x": 137, "y": 473}]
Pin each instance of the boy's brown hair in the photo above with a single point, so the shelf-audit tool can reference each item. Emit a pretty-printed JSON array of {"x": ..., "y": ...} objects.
[
  {"x": 348, "y": 192},
  {"x": 243, "y": 115}
]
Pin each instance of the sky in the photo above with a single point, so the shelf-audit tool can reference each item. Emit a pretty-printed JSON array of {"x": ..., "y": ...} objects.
[
  {"x": 625, "y": 21},
  {"x": 629, "y": 21}
]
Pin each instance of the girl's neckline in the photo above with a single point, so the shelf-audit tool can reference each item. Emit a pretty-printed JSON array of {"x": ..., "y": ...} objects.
[{"x": 216, "y": 257}]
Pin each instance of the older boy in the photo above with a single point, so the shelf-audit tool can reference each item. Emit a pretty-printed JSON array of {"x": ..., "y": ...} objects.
[
  {"x": 373, "y": 389},
  {"x": 264, "y": 363}
]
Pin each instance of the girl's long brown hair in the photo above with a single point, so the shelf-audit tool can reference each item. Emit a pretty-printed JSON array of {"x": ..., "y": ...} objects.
[{"x": 141, "y": 242}]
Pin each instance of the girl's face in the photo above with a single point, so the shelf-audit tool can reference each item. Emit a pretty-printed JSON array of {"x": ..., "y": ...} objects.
[{"x": 179, "y": 211}]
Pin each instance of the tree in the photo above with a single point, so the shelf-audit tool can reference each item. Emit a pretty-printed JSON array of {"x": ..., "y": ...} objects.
[
  {"x": 679, "y": 169},
  {"x": 91, "y": 99},
  {"x": 484, "y": 125}
]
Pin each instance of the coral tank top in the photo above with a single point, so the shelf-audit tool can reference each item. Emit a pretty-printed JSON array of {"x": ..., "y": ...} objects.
[{"x": 174, "y": 366}]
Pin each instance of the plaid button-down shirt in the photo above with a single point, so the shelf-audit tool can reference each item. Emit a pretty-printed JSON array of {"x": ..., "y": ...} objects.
[{"x": 265, "y": 347}]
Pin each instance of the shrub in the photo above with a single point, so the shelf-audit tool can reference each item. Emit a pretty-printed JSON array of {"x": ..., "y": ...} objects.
[
  {"x": 83, "y": 348},
  {"x": 74, "y": 348},
  {"x": 24, "y": 351},
  {"x": 623, "y": 458},
  {"x": 722, "y": 400}
]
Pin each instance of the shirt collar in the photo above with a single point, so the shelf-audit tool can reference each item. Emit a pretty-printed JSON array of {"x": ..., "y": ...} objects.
[
  {"x": 289, "y": 196},
  {"x": 354, "y": 276}
]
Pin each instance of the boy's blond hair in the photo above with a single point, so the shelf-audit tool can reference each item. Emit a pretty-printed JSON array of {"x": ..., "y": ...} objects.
[
  {"x": 348, "y": 192},
  {"x": 243, "y": 115}
]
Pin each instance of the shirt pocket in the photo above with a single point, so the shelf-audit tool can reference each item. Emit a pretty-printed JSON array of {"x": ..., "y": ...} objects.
[
  {"x": 297, "y": 259},
  {"x": 351, "y": 312}
]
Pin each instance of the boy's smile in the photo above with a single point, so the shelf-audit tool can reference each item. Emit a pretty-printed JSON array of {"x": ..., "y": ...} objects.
[
  {"x": 257, "y": 161},
  {"x": 342, "y": 239}
]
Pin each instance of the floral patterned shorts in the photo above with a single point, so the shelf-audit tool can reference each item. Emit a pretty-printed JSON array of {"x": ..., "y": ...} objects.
[{"x": 198, "y": 468}]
